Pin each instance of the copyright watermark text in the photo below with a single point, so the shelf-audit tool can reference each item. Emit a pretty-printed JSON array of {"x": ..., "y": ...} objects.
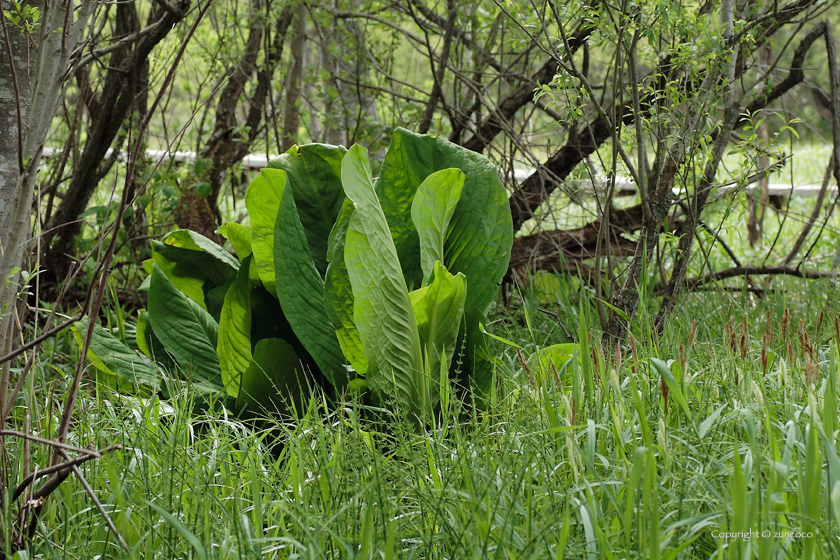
[{"x": 748, "y": 535}]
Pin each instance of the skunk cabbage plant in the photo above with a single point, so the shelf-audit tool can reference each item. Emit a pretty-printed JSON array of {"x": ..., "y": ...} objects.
[{"x": 341, "y": 282}]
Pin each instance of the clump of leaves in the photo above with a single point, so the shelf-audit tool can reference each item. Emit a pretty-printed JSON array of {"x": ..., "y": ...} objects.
[{"x": 343, "y": 282}]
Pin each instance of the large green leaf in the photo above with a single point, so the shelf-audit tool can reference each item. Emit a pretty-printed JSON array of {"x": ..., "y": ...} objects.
[
  {"x": 269, "y": 321},
  {"x": 314, "y": 172},
  {"x": 193, "y": 249},
  {"x": 480, "y": 233},
  {"x": 111, "y": 356},
  {"x": 552, "y": 361},
  {"x": 186, "y": 330},
  {"x": 432, "y": 209},
  {"x": 187, "y": 278},
  {"x": 263, "y": 202},
  {"x": 196, "y": 266},
  {"x": 214, "y": 298},
  {"x": 275, "y": 378},
  {"x": 300, "y": 290},
  {"x": 438, "y": 310},
  {"x": 234, "y": 344},
  {"x": 382, "y": 308},
  {"x": 338, "y": 293},
  {"x": 239, "y": 236}
]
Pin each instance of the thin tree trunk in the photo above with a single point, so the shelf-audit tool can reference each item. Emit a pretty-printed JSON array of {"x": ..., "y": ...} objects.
[
  {"x": 291, "y": 119},
  {"x": 58, "y": 36},
  {"x": 113, "y": 107},
  {"x": 41, "y": 70},
  {"x": 757, "y": 207},
  {"x": 627, "y": 297},
  {"x": 15, "y": 92},
  {"x": 437, "y": 89}
]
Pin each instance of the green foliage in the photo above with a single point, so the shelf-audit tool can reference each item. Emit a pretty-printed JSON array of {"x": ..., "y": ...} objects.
[
  {"x": 541, "y": 474},
  {"x": 299, "y": 284},
  {"x": 185, "y": 329},
  {"x": 344, "y": 281},
  {"x": 23, "y": 16},
  {"x": 263, "y": 202},
  {"x": 439, "y": 310},
  {"x": 111, "y": 357},
  {"x": 234, "y": 342},
  {"x": 382, "y": 309},
  {"x": 275, "y": 370}
]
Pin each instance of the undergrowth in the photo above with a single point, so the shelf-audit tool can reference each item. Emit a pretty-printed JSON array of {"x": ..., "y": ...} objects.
[{"x": 633, "y": 463}]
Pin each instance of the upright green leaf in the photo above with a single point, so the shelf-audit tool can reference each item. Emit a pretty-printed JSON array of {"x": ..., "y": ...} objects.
[
  {"x": 274, "y": 379},
  {"x": 269, "y": 321},
  {"x": 314, "y": 172},
  {"x": 234, "y": 344},
  {"x": 438, "y": 310},
  {"x": 186, "y": 330},
  {"x": 432, "y": 209},
  {"x": 263, "y": 202},
  {"x": 214, "y": 298},
  {"x": 480, "y": 233},
  {"x": 338, "y": 293},
  {"x": 382, "y": 308},
  {"x": 300, "y": 290},
  {"x": 556, "y": 354}
]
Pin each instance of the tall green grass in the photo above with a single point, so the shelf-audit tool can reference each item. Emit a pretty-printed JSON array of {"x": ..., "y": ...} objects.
[{"x": 600, "y": 465}]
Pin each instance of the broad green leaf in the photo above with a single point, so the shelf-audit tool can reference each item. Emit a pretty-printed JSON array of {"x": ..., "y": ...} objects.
[
  {"x": 214, "y": 298},
  {"x": 480, "y": 233},
  {"x": 111, "y": 356},
  {"x": 142, "y": 333},
  {"x": 338, "y": 294},
  {"x": 263, "y": 201},
  {"x": 199, "y": 268},
  {"x": 314, "y": 173},
  {"x": 268, "y": 321},
  {"x": 234, "y": 344},
  {"x": 239, "y": 236},
  {"x": 186, "y": 330},
  {"x": 432, "y": 209},
  {"x": 438, "y": 310},
  {"x": 673, "y": 385},
  {"x": 191, "y": 248},
  {"x": 300, "y": 290},
  {"x": 187, "y": 278},
  {"x": 274, "y": 379},
  {"x": 382, "y": 308}
]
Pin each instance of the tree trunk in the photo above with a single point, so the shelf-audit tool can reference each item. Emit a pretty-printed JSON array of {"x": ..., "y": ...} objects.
[
  {"x": 291, "y": 119},
  {"x": 32, "y": 102},
  {"x": 39, "y": 73},
  {"x": 113, "y": 107}
]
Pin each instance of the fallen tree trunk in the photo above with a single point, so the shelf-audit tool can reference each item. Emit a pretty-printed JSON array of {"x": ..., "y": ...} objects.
[{"x": 540, "y": 249}]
